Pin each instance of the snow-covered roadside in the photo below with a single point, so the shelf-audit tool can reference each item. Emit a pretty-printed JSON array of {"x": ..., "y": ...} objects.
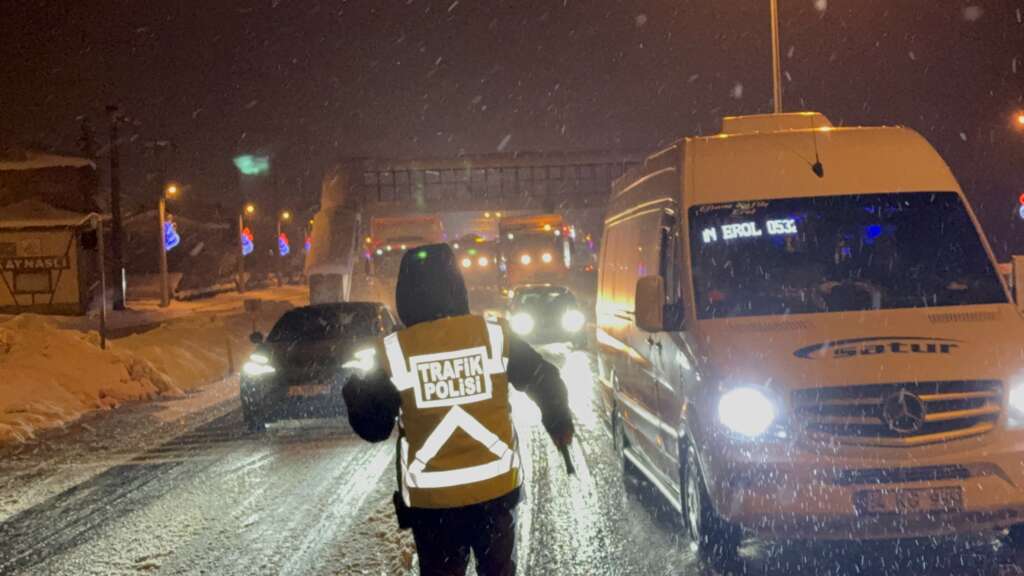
[{"x": 51, "y": 375}]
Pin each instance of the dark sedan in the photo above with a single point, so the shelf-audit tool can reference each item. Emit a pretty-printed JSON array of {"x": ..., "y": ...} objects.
[{"x": 299, "y": 370}]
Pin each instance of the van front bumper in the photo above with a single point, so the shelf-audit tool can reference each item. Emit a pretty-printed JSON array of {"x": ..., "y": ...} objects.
[{"x": 793, "y": 491}]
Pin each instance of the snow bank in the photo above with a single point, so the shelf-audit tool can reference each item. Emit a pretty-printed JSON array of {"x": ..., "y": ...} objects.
[{"x": 50, "y": 375}]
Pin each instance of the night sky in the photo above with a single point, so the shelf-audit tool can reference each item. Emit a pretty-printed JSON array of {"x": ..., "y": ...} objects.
[{"x": 311, "y": 81}]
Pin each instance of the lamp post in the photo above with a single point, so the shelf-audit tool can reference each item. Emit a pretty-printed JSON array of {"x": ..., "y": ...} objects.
[
  {"x": 248, "y": 210},
  {"x": 170, "y": 190},
  {"x": 284, "y": 216},
  {"x": 776, "y": 60}
]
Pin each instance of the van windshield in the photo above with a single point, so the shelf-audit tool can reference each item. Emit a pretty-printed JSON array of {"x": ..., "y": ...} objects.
[{"x": 838, "y": 253}]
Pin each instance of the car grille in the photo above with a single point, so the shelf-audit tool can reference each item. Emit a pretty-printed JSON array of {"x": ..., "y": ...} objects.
[{"x": 859, "y": 414}]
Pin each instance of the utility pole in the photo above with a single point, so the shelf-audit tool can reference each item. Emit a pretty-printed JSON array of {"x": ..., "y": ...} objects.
[
  {"x": 776, "y": 60},
  {"x": 165, "y": 297},
  {"x": 241, "y": 253},
  {"x": 116, "y": 245},
  {"x": 100, "y": 248}
]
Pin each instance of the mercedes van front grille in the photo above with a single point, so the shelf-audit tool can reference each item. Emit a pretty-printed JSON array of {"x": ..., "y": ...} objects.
[{"x": 900, "y": 414}]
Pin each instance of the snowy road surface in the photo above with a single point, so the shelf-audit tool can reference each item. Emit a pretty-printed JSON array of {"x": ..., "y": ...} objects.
[{"x": 137, "y": 492}]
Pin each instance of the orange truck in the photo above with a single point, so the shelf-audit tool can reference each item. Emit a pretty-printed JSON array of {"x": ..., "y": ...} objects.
[
  {"x": 389, "y": 238},
  {"x": 535, "y": 249}
]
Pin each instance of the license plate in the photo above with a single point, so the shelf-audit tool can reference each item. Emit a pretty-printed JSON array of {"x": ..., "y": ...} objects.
[
  {"x": 909, "y": 501},
  {"x": 308, "y": 390}
]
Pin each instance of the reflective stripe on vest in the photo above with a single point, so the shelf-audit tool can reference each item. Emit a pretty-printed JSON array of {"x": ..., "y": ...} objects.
[{"x": 404, "y": 377}]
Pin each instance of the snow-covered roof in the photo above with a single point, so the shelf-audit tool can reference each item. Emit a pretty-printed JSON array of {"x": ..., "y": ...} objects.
[
  {"x": 41, "y": 161},
  {"x": 34, "y": 214}
]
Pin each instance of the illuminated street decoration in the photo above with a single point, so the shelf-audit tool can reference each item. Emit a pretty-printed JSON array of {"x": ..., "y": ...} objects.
[
  {"x": 251, "y": 165},
  {"x": 171, "y": 236},
  {"x": 283, "y": 248},
  {"x": 247, "y": 243},
  {"x": 307, "y": 244}
]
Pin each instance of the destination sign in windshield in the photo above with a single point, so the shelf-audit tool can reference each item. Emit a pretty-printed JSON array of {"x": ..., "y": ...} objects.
[{"x": 749, "y": 229}]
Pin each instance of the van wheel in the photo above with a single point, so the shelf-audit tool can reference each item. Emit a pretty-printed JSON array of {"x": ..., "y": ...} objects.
[{"x": 715, "y": 537}]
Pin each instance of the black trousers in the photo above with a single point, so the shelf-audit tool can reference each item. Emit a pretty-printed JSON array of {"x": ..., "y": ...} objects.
[{"x": 445, "y": 537}]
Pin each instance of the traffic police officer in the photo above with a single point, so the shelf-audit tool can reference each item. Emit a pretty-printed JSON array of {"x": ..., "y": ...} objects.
[{"x": 445, "y": 378}]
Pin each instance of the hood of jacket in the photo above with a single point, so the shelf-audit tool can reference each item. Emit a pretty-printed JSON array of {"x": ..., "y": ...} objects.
[{"x": 430, "y": 285}]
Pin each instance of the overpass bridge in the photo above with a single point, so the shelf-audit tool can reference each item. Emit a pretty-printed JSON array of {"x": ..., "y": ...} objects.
[{"x": 533, "y": 181}]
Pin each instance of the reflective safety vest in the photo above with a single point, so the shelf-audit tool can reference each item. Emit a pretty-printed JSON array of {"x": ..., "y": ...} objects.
[{"x": 457, "y": 445}]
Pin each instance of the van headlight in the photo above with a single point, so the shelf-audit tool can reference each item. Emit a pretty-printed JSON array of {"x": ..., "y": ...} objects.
[
  {"x": 747, "y": 411},
  {"x": 363, "y": 360},
  {"x": 573, "y": 321},
  {"x": 1017, "y": 405},
  {"x": 521, "y": 323},
  {"x": 258, "y": 365}
]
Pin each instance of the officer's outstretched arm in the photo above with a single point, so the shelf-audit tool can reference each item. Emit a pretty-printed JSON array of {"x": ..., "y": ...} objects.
[
  {"x": 529, "y": 372},
  {"x": 373, "y": 404}
]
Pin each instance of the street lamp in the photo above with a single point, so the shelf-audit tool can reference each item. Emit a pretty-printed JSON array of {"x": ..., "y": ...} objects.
[
  {"x": 1018, "y": 120},
  {"x": 170, "y": 190}
]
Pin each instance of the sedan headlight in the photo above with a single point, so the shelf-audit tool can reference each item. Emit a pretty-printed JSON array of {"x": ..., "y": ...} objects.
[
  {"x": 573, "y": 321},
  {"x": 525, "y": 259},
  {"x": 521, "y": 323},
  {"x": 258, "y": 365},
  {"x": 746, "y": 411},
  {"x": 363, "y": 360},
  {"x": 482, "y": 261},
  {"x": 466, "y": 262},
  {"x": 546, "y": 257},
  {"x": 1017, "y": 405}
]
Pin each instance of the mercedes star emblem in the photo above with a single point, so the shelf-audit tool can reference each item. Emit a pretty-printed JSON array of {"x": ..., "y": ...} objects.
[{"x": 904, "y": 412}]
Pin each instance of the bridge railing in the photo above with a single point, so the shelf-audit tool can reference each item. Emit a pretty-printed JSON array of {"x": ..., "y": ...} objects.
[{"x": 493, "y": 183}]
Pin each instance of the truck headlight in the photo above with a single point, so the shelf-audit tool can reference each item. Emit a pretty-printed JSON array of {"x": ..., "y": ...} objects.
[
  {"x": 258, "y": 365},
  {"x": 573, "y": 321},
  {"x": 521, "y": 323},
  {"x": 1017, "y": 405},
  {"x": 363, "y": 360},
  {"x": 746, "y": 411}
]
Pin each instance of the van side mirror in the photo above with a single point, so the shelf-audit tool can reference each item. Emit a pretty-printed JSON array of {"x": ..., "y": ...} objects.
[
  {"x": 256, "y": 338},
  {"x": 649, "y": 309},
  {"x": 1017, "y": 281}
]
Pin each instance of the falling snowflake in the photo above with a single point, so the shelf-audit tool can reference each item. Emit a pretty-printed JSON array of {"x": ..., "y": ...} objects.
[
  {"x": 504, "y": 142},
  {"x": 963, "y": 136},
  {"x": 640, "y": 20},
  {"x": 454, "y": 4},
  {"x": 737, "y": 91},
  {"x": 821, "y": 5},
  {"x": 973, "y": 13},
  {"x": 912, "y": 55}
]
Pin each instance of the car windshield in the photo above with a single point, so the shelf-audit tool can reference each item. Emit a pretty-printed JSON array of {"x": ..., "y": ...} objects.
[
  {"x": 322, "y": 323},
  {"x": 544, "y": 299},
  {"x": 838, "y": 253}
]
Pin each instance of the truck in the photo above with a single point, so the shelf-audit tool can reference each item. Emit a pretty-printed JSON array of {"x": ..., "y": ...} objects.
[
  {"x": 534, "y": 249},
  {"x": 334, "y": 240},
  {"x": 389, "y": 237}
]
